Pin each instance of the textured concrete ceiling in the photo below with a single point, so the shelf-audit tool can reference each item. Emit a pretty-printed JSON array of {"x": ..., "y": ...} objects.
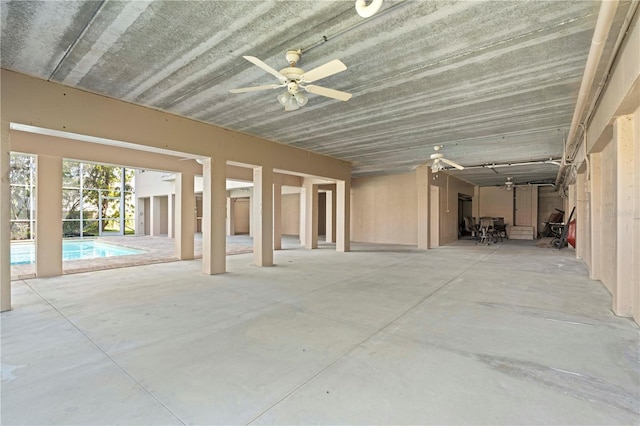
[{"x": 493, "y": 82}]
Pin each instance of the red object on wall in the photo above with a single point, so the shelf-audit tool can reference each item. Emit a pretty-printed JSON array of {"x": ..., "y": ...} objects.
[{"x": 571, "y": 233}]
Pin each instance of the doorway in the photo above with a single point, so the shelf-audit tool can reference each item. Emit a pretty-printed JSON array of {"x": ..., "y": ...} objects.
[{"x": 465, "y": 216}]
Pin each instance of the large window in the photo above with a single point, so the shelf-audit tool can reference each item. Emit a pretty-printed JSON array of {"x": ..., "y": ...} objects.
[
  {"x": 96, "y": 199},
  {"x": 22, "y": 183}
]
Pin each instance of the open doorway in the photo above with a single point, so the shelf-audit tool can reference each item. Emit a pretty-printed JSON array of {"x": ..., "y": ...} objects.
[{"x": 465, "y": 216}]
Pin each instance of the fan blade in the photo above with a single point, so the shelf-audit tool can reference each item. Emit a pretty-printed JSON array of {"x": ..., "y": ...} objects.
[
  {"x": 329, "y": 93},
  {"x": 256, "y": 88},
  {"x": 330, "y": 68},
  {"x": 452, "y": 164},
  {"x": 257, "y": 62}
]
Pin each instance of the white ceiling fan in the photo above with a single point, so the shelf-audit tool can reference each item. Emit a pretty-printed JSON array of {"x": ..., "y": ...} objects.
[
  {"x": 296, "y": 81},
  {"x": 439, "y": 161},
  {"x": 508, "y": 185}
]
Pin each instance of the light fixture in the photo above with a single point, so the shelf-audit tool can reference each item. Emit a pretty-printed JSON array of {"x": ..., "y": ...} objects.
[
  {"x": 284, "y": 97},
  {"x": 508, "y": 185},
  {"x": 301, "y": 98},
  {"x": 436, "y": 166},
  {"x": 292, "y": 99},
  {"x": 365, "y": 10}
]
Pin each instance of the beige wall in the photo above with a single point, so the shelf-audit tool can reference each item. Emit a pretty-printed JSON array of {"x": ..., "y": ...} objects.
[
  {"x": 384, "y": 209},
  {"x": 450, "y": 187},
  {"x": 636, "y": 218},
  {"x": 241, "y": 215},
  {"x": 495, "y": 201},
  {"x": 614, "y": 192},
  {"x": 583, "y": 212},
  {"x": 164, "y": 215},
  {"x": 548, "y": 201},
  {"x": 609, "y": 237},
  {"x": 290, "y": 214}
]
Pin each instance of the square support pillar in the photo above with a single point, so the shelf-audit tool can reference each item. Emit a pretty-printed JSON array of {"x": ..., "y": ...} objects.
[
  {"x": 231, "y": 211},
  {"x": 595, "y": 162},
  {"x": 277, "y": 216},
  {"x": 171, "y": 212},
  {"x": 252, "y": 219},
  {"x": 625, "y": 257},
  {"x": 423, "y": 176},
  {"x": 343, "y": 216},
  {"x": 303, "y": 196},
  {"x": 214, "y": 197},
  {"x": 330, "y": 216},
  {"x": 5, "y": 224},
  {"x": 139, "y": 214},
  {"x": 155, "y": 216},
  {"x": 310, "y": 215},
  {"x": 185, "y": 219},
  {"x": 48, "y": 216},
  {"x": 263, "y": 216}
]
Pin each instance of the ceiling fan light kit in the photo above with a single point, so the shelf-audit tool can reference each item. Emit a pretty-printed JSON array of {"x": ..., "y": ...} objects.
[
  {"x": 295, "y": 79},
  {"x": 367, "y": 11}
]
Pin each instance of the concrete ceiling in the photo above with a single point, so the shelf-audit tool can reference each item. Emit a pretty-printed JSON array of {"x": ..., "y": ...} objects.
[{"x": 493, "y": 82}]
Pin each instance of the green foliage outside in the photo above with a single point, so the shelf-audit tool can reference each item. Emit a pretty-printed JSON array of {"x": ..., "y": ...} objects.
[{"x": 93, "y": 190}]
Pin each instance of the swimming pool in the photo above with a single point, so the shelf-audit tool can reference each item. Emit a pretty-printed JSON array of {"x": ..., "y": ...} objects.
[{"x": 23, "y": 253}]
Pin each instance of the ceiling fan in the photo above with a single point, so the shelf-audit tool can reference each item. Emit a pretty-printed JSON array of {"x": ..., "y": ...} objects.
[
  {"x": 438, "y": 160},
  {"x": 296, "y": 81},
  {"x": 508, "y": 185}
]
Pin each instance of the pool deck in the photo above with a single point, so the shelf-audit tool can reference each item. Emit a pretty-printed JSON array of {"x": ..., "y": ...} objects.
[{"x": 157, "y": 250}]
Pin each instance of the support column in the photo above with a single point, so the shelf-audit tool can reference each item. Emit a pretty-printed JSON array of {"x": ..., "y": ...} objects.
[
  {"x": 303, "y": 196},
  {"x": 48, "y": 216},
  {"x": 155, "y": 215},
  {"x": 330, "y": 216},
  {"x": 214, "y": 196},
  {"x": 310, "y": 215},
  {"x": 277, "y": 216},
  {"x": 623, "y": 297},
  {"x": 252, "y": 219},
  {"x": 595, "y": 161},
  {"x": 231, "y": 223},
  {"x": 423, "y": 176},
  {"x": 171, "y": 212},
  {"x": 185, "y": 220},
  {"x": 140, "y": 217},
  {"x": 343, "y": 216},
  {"x": 263, "y": 216},
  {"x": 582, "y": 216},
  {"x": 5, "y": 226}
]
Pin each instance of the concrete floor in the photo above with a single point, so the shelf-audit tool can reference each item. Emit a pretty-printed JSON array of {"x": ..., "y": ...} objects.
[{"x": 463, "y": 334}]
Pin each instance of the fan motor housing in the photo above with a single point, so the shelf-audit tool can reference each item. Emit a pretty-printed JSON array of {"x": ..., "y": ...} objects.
[{"x": 292, "y": 73}]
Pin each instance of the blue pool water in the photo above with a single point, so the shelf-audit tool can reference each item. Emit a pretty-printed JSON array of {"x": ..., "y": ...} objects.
[{"x": 25, "y": 253}]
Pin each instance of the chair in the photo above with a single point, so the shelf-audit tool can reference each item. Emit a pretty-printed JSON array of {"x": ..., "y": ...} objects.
[{"x": 500, "y": 229}]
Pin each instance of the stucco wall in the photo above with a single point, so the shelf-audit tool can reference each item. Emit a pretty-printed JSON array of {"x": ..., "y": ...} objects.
[
  {"x": 583, "y": 218},
  {"x": 241, "y": 215},
  {"x": 450, "y": 187},
  {"x": 496, "y": 202},
  {"x": 290, "y": 211},
  {"x": 608, "y": 227},
  {"x": 636, "y": 217},
  {"x": 548, "y": 201},
  {"x": 384, "y": 209}
]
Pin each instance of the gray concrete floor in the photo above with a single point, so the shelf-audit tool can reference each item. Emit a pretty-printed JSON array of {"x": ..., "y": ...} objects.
[{"x": 463, "y": 334}]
